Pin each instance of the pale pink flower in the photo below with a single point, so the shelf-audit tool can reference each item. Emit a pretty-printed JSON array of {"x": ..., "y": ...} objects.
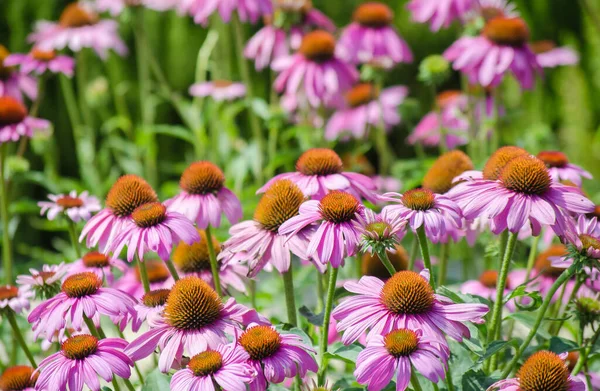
[
  {"x": 219, "y": 90},
  {"x": 40, "y": 61},
  {"x": 15, "y": 122},
  {"x": 76, "y": 207}
]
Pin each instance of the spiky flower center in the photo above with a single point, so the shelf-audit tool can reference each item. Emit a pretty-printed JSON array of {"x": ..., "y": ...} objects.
[
  {"x": 319, "y": 161},
  {"x": 553, "y": 158},
  {"x": 445, "y": 98},
  {"x": 588, "y": 241},
  {"x": 373, "y": 15},
  {"x": 489, "y": 278},
  {"x": 149, "y": 215},
  {"x": 80, "y": 346},
  {"x": 407, "y": 292},
  {"x": 318, "y": 46},
  {"x": 68, "y": 202},
  {"x": 372, "y": 265},
  {"x": 195, "y": 258},
  {"x": 300, "y": 6},
  {"x": 260, "y": 342},
  {"x": 220, "y": 83},
  {"x": 491, "y": 12},
  {"x": 156, "y": 298},
  {"x": 401, "y": 343},
  {"x": 280, "y": 203},
  {"x": 74, "y": 15},
  {"x": 448, "y": 166},
  {"x": 419, "y": 199},
  {"x": 95, "y": 259},
  {"x": 43, "y": 55},
  {"x": 361, "y": 94},
  {"x": 543, "y": 263},
  {"x": 539, "y": 47},
  {"x": 129, "y": 192},
  {"x": 8, "y": 292},
  {"x": 544, "y": 371},
  {"x": 527, "y": 175},
  {"x": 338, "y": 207},
  {"x": 499, "y": 159},
  {"x": 157, "y": 271},
  {"x": 202, "y": 178},
  {"x": 206, "y": 363},
  {"x": 507, "y": 31},
  {"x": 45, "y": 276},
  {"x": 192, "y": 304},
  {"x": 18, "y": 378},
  {"x": 11, "y": 111},
  {"x": 81, "y": 284}
]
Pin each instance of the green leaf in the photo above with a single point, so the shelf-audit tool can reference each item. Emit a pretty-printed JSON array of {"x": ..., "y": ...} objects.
[
  {"x": 156, "y": 381},
  {"x": 476, "y": 381},
  {"x": 560, "y": 345},
  {"x": 495, "y": 347},
  {"x": 174, "y": 131},
  {"x": 528, "y": 319},
  {"x": 346, "y": 353},
  {"x": 314, "y": 319}
]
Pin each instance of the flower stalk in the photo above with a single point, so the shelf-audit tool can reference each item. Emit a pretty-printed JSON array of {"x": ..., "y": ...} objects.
[
  {"x": 422, "y": 238},
  {"x": 10, "y": 315},
  {"x": 333, "y": 273},
  {"x": 214, "y": 266}
]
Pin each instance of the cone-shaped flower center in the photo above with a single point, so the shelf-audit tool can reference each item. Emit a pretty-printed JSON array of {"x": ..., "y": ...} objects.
[
  {"x": 553, "y": 158},
  {"x": 279, "y": 203},
  {"x": 95, "y": 259},
  {"x": 11, "y": 111},
  {"x": 571, "y": 360},
  {"x": 260, "y": 342},
  {"x": 338, "y": 207},
  {"x": 407, "y": 292},
  {"x": 149, "y": 215},
  {"x": 419, "y": 199},
  {"x": 401, "y": 343},
  {"x": 192, "y": 304},
  {"x": 507, "y": 31},
  {"x": 81, "y": 284},
  {"x": 74, "y": 15},
  {"x": 195, "y": 258},
  {"x": 129, "y": 192},
  {"x": 527, "y": 175},
  {"x": 543, "y": 263},
  {"x": 491, "y": 12},
  {"x": 361, "y": 94},
  {"x": 68, "y": 202},
  {"x": 43, "y": 55},
  {"x": 539, "y": 47},
  {"x": 544, "y": 371},
  {"x": 156, "y": 298},
  {"x": 372, "y": 265},
  {"x": 588, "y": 241},
  {"x": 18, "y": 378},
  {"x": 373, "y": 15},
  {"x": 318, "y": 46},
  {"x": 80, "y": 346},
  {"x": 8, "y": 292},
  {"x": 4, "y": 71},
  {"x": 445, "y": 98},
  {"x": 206, "y": 363},
  {"x": 499, "y": 159},
  {"x": 595, "y": 213},
  {"x": 220, "y": 83},
  {"x": 489, "y": 278},
  {"x": 202, "y": 178},
  {"x": 157, "y": 271},
  {"x": 319, "y": 161},
  {"x": 448, "y": 166},
  {"x": 45, "y": 275},
  {"x": 300, "y": 6}
]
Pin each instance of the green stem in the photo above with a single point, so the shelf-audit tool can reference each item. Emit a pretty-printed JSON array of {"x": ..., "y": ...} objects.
[
  {"x": 10, "y": 315},
  {"x": 290, "y": 301},
  {"x": 413, "y": 253},
  {"x": 143, "y": 274},
  {"x": 564, "y": 277},
  {"x": 333, "y": 273},
  {"x": 561, "y": 314},
  {"x": 438, "y": 111},
  {"x": 128, "y": 384},
  {"x": 252, "y": 291},
  {"x": 414, "y": 380},
  {"x": 532, "y": 256},
  {"x": 425, "y": 253},
  {"x": 214, "y": 266},
  {"x": 73, "y": 235},
  {"x": 449, "y": 382},
  {"x": 4, "y": 201},
  {"x": 443, "y": 272},
  {"x": 585, "y": 354},
  {"x": 172, "y": 269},
  {"x": 320, "y": 293},
  {"x": 382, "y": 255},
  {"x": 81, "y": 77}
]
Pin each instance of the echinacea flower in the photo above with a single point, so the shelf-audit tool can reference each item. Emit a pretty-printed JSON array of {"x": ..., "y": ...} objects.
[
  {"x": 267, "y": 45},
  {"x": 219, "y": 90},
  {"x": 561, "y": 169},
  {"x": 159, "y": 277},
  {"x": 485, "y": 286},
  {"x": 542, "y": 371},
  {"x": 14, "y": 83},
  {"x": 14, "y": 298},
  {"x": 81, "y": 360},
  {"x": 550, "y": 56},
  {"x": 193, "y": 320},
  {"x": 372, "y": 266},
  {"x": 76, "y": 207},
  {"x": 440, "y": 176},
  {"x": 275, "y": 356},
  {"x": 204, "y": 197},
  {"x": 40, "y": 61},
  {"x": 46, "y": 282},
  {"x": 225, "y": 366},
  {"x": 15, "y": 121},
  {"x": 247, "y": 10},
  {"x": 490, "y": 9},
  {"x": 320, "y": 170},
  {"x": 379, "y": 231},
  {"x": 366, "y": 108},
  {"x": 440, "y": 13},
  {"x": 151, "y": 306},
  {"x": 77, "y": 28},
  {"x": 18, "y": 378},
  {"x": 502, "y": 47},
  {"x": 386, "y": 184},
  {"x": 336, "y": 236},
  {"x": 406, "y": 300},
  {"x": 586, "y": 241},
  {"x": 98, "y": 263},
  {"x": 116, "y": 7},
  {"x": 371, "y": 38},
  {"x": 81, "y": 295},
  {"x": 155, "y": 229},
  {"x": 314, "y": 77},
  {"x": 397, "y": 354},
  {"x": 194, "y": 260},
  {"x": 125, "y": 195}
]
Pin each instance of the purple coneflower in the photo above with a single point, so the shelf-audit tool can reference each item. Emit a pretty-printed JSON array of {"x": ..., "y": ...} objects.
[
  {"x": 98, "y": 263},
  {"x": 193, "y": 320},
  {"x": 275, "y": 356},
  {"x": 151, "y": 306},
  {"x": 320, "y": 170},
  {"x": 204, "y": 197},
  {"x": 15, "y": 298},
  {"x": 115, "y": 7},
  {"x": 551, "y": 56},
  {"x": 76, "y": 207},
  {"x": 219, "y": 90},
  {"x": 159, "y": 277},
  {"x": 501, "y": 47},
  {"x": 406, "y": 300},
  {"x": 395, "y": 354},
  {"x": 485, "y": 286},
  {"x": 386, "y": 184},
  {"x": 379, "y": 231},
  {"x": 371, "y": 38},
  {"x": 366, "y": 108},
  {"x": 40, "y": 61},
  {"x": 561, "y": 169},
  {"x": 247, "y": 10},
  {"x": 19, "y": 378},
  {"x": 78, "y": 28},
  {"x": 490, "y": 9},
  {"x": 440, "y": 13},
  {"x": 14, "y": 121},
  {"x": 587, "y": 242},
  {"x": 46, "y": 282},
  {"x": 81, "y": 360},
  {"x": 15, "y": 83}
]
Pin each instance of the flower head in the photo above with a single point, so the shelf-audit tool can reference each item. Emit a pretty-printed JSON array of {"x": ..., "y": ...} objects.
[
  {"x": 15, "y": 122},
  {"x": 98, "y": 263},
  {"x": 247, "y": 10},
  {"x": 151, "y": 306},
  {"x": 14, "y": 83},
  {"x": 379, "y": 232},
  {"x": 45, "y": 283},
  {"x": 18, "y": 378},
  {"x": 561, "y": 169},
  {"x": 219, "y": 90},
  {"x": 76, "y": 207},
  {"x": 440, "y": 177},
  {"x": 41, "y": 61},
  {"x": 550, "y": 56},
  {"x": 14, "y": 298},
  {"x": 440, "y": 13}
]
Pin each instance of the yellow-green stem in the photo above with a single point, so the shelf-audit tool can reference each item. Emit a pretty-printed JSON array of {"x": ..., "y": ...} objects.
[
  {"x": 290, "y": 301},
  {"x": 323, "y": 342},
  {"x": 425, "y": 254},
  {"x": 143, "y": 274},
  {"x": 7, "y": 261},
  {"x": 10, "y": 315},
  {"x": 214, "y": 266}
]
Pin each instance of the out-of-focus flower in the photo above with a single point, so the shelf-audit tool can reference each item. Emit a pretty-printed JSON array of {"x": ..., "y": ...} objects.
[
  {"x": 485, "y": 286},
  {"x": 219, "y": 90},
  {"x": 98, "y": 263},
  {"x": 434, "y": 70},
  {"x": 490, "y": 9},
  {"x": 40, "y": 61},
  {"x": 14, "y": 83},
  {"x": 440, "y": 176},
  {"x": 19, "y": 378},
  {"x": 151, "y": 306},
  {"x": 561, "y": 169},
  {"x": 116, "y": 7},
  {"x": 76, "y": 207},
  {"x": 14, "y": 298},
  {"x": 45, "y": 283},
  {"x": 386, "y": 184},
  {"x": 15, "y": 122},
  {"x": 159, "y": 277},
  {"x": 247, "y": 10},
  {"x": 440, "y": 13},
  {"x": 551, "y": 56}
]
